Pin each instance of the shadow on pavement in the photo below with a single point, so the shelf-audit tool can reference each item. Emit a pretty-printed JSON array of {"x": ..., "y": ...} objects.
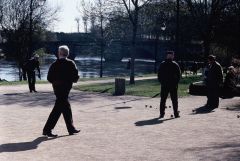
[
  {"x": 39, "y": 99},
  {"x": 122, "y": 108},
  {"x": 218, "y": 151},
  {"x": 203, "y": 110},
  {"x": 153, "y": 121},
  {"x": 25, "y": 146}
]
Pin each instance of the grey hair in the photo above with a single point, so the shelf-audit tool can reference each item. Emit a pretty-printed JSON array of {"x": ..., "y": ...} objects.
[{"x": 64, "y": 49}]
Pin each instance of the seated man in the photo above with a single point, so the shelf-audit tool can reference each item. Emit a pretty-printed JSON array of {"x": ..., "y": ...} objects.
[{"x": 230, "y": 84}]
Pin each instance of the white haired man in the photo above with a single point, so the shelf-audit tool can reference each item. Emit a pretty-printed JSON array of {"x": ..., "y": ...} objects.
[{"x": 62, "y": 74}]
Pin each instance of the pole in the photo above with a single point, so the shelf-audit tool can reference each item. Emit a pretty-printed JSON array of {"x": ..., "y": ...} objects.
[
  {"x": 177, "y": 30},
  {"x": 101, "y": 65},
  {"x": 30, "y": 30}
]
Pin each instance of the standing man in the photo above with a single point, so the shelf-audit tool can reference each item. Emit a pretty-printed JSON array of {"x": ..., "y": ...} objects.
[
  {"x": 30, "y": 67},
  {"x": 169, "y": 75},
  {"x": 62, "y": 73},
  {"x": 213, "y": 81}
]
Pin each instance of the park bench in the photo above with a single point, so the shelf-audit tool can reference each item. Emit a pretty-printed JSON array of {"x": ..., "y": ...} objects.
[{"x": 199, "y": 89}]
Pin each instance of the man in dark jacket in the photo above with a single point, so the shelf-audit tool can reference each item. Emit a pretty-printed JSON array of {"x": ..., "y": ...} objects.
[
  {"x": 169, "y": 75},
  {"x": 62, "y": 73},
  {"x": 213, "y": 82},
  {"x": 230, "y": 84},
  {"x": 30, "y": 67}
]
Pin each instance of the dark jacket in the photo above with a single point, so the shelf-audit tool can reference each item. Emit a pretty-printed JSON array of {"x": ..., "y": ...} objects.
[
  {"x": 169, "y": 73},
  {"x": 63, "y": 71},
  {"x": 214, "y": 76},
  {"x": 230, "y": 85},
  {"x": 31, "y": 65}
]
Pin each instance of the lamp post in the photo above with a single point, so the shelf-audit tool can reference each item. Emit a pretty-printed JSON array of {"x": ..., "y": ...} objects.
[
  {"x": 162, "y": 28},
  {"x": 30, "y": 47},
  {"x": 177, "y": 28}
]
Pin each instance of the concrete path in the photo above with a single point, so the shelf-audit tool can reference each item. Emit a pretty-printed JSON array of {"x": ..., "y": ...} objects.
[{"x": 112, "y": 130}]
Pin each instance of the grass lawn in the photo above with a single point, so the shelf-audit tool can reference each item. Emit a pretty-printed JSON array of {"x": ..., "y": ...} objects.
[
  {"x": 147, "y": 88},
  {"x": 6, "y": 83}
]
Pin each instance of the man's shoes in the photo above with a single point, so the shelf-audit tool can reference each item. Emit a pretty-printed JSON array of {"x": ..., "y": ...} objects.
[
  {"x": 161, "y": 116},
  {"x": 73, "y": 132},
  {"x": 49, "y": 134},
  {"x": 35, "y": 91},
  {"x": 177, "y": 116}
]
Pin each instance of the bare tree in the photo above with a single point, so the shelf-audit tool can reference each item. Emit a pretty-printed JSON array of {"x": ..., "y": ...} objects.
[
  {"x": 77, "y": 19},
  {"x": 207, "y": 15},
  {"x": 19, "y": 22},
  {"x": 132, "y": 8},
  {"x": 98, "y": 15}
]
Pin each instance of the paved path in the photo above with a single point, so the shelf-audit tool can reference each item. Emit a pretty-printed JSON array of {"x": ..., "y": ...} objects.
[{"x": 112, "y": 130}]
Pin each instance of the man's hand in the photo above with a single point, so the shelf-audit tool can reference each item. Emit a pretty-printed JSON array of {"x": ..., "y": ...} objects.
[{"x": 39, "y": 76}]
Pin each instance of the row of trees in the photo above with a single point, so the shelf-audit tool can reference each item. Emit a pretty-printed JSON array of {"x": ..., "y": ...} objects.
[
  {"x": 213, "y": 23},
  {"x": 23, "y": 23}
]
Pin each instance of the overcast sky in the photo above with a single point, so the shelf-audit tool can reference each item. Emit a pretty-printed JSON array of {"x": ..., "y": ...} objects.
[{"x": 66, "y": 16}]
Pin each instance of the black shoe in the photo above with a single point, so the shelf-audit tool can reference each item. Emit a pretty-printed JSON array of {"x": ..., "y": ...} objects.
[
  {"x": 161, "y": 116},
  {"x": 177, "y": 116},
  {"x": 30, "y": 91},
  {"x": 49, "y": 134},
  {"x": 35, "y": 91},
  {"x": 73, "y": 132}
]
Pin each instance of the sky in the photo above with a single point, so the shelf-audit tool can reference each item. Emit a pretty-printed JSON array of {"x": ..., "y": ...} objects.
[{"x": 68, "y": 12}]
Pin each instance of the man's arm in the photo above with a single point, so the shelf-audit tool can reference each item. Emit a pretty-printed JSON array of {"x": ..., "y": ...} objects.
[
  {"x": 50, "y": 74},
  {"x": 219, "y": 75},
  {"x": 38, "y": 69},
  {"x": 178, "y": 71},
  {"x": 75, "y": 75},
  {"x": 160, "y": 73}
]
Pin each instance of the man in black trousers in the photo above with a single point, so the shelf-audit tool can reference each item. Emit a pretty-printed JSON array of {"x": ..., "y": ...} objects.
[
  {"x": 169, "y": 75},
  {"x": 30, "y": 67},
  {"x": 62, "y": 74},
  {"x": 213, "y": 82}
]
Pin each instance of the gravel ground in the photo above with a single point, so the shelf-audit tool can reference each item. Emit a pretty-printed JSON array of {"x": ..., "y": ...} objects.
[{"x": 112, "y": 130}]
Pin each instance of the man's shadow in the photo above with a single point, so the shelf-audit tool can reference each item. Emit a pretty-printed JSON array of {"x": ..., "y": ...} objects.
[
  {"x": 203, "y": 110},
  {"x": 153, "y": 121},
  {"x": 25, "y": 146}
]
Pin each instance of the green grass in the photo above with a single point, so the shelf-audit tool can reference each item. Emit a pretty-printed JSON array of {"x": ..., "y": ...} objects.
[
  {"x": 6, "y": 83},
  {"x": 113, "y": 77},
  {"x": 147, "y": 88}
]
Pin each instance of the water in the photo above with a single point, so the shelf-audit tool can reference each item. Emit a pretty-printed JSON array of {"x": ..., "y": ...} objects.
[{"x": 88, "y": 67}]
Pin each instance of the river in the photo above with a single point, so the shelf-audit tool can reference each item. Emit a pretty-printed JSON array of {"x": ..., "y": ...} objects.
[{"x": 88, "y": 67}]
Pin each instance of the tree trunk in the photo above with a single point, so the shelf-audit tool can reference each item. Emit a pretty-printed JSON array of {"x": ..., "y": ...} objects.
[
  {"x": 156, "y": 52},
  {"x": 101, "y": 65},
  {"x": 133, "y": 52},
  {"x": 206, "y": 45}
]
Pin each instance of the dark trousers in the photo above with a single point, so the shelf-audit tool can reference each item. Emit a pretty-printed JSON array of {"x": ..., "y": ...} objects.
[
  {"x": 213, "y": 97},
  {"x": 165, "y": 90},
  {"x": 31, "y": 80},
  {"x": 62, "y": 106}
]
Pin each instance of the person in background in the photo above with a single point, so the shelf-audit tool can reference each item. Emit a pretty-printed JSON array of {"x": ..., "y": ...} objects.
[
  {"x": 62, "y": 74},
  {"x": 230, "y": 83},
  {"x": 169, "y": 74},
  {"x": 30, "y": 67},
  {"x": 214, "y": 81}
]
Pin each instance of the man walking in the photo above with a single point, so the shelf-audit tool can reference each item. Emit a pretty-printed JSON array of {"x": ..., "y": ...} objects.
[
  {"x": 169, "y": 75},
  {"x": 62, "y": 73},
  {"x": 213, "y": 81},
  {"x": 30, "y": 67}
]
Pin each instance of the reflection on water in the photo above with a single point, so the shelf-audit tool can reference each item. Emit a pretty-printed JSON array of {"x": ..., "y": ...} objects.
[{"x": 88, "y": 67}]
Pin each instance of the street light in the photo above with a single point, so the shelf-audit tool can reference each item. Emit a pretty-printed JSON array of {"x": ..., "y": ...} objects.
[{"x": 162, "y": 28}]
